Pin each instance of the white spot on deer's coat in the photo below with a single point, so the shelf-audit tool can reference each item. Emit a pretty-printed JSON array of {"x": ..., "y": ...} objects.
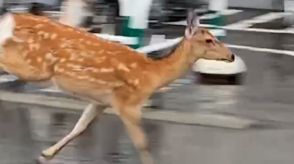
[
  {"x": 30, "y": 40},
  {"x": 73, "y": 57},
  {"x": 75, "y": 67},
  {"x": 106, "y": 70},
  {"x": 39, "y": 25},
  {"x": 92, "y": 80},
  {"x": 58, "y": 69},
  {"x": 91, "y": 69},
  {"x": 46, "y": 35},
  {"x": 49, "y": 56},
  {"x": 17, "y": 39},
  {"x": 83, "y": 77},
  {"x": 92, "y": 52},
  {"x": 39, "y": 59},
  {"x": 70, "y": 73},
  {"x": 63, "y": 45},
  {"x": 134, "y": 65},
  {"x": 33, "y": 46},
  {"x": 80, "y": 59},
  {"x": 100, "y": 59},
  {"x": 101, "y": 81},
  {"x": 53, "y": 36},
  {"x": 44, "y": 20},
  {"x": 62, "y": 60},
  {"x": 29, "y": 61},
  {"x": 136, "y": 82},
  {"x": 123, "y": 67},
  {"x": 110, "y": 52},
  {"x": 40, "y": 33},
  {"x": 70, "y": 51},
  {"x": 7, "y": 25},
  {"x": 100, "y": 52},
  {"x": 113, "y": 52}
]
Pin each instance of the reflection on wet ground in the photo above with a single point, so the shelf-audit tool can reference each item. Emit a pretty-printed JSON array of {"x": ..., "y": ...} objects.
[
  {"x": 266, "y": 92},
  {"x": 26, "y": 130}
]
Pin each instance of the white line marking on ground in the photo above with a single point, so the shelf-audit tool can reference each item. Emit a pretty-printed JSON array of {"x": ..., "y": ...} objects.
[
  {"x": 51, "y": 89},
  {"x": 224, "y": 13},
  {"x": 230, "y": 12},
  {"x": 291, "y": 28},
  {"x": 7, "y": 78},
  {"x": 262, "y": 30},
  {"x": 257, "y": 49},
  {"x": 258, "y": 19},
  {"x": 243, "y": 26},
  {"x": 171, "y": 42}
]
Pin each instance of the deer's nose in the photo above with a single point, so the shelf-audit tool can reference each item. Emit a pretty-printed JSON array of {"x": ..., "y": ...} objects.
[{"x": 232, "y": 58}]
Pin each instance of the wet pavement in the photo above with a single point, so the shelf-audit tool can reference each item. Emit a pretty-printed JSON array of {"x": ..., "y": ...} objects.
[
  {"x": 266, "y": 93},
  {"x": 26, "y": 130}
]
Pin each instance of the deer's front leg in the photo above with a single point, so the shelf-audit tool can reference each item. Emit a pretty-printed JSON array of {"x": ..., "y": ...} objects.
[
  {"x": 131, "y": 120},
  {"x": 87, "y": 117},
  {"x": 131, "y": 117}
]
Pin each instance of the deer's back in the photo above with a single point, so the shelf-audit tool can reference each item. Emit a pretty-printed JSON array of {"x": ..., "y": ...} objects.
[{"x": 63, "y": 51}]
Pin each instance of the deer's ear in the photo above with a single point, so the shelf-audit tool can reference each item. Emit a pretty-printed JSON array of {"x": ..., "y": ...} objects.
[{"x": 192, "y": 23}]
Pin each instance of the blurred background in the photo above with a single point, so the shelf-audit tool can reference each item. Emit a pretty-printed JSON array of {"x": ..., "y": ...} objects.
[{"x": 224, "y": 113}]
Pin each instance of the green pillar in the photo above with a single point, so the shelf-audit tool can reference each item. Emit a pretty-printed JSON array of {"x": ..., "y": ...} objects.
[
  {"x": 217, "y": 21},
  {"x": 216, "y": 6},
  {"x": 135, "y": 21},
  {"x": 128, "y": 31}
]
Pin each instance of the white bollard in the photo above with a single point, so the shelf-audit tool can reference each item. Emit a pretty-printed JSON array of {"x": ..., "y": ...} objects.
[
  {"x": 125, "y": 8},
  {"x": 140, "y": 14},
  {"x": 289, "y": 5},
  {"x": 218, "y": 5},
  {"x": 289, "y": 8},
  {"x": 73, "y": 12}
]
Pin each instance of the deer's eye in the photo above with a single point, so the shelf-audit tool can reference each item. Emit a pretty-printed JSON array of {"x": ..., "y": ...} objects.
[{"x": 209, "y": 41}]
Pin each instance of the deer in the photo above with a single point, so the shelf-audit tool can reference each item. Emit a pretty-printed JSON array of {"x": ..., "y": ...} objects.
[{"x": 101, "y": 72}]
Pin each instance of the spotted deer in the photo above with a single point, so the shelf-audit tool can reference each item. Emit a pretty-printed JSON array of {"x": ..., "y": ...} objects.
[{"x": 104, "y": 73}]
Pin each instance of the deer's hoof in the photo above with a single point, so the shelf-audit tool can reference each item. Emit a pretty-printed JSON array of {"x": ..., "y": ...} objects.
[
  {"x": 48, "y": 153},
  {"x": 42, "y": 160}
]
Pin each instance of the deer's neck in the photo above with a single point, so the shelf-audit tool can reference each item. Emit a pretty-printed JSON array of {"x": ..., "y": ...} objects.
[{"x": 175, "y": 65}]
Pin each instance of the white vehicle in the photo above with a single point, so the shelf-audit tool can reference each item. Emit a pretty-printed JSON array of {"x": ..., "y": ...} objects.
[{"x": 211, "y": 71}]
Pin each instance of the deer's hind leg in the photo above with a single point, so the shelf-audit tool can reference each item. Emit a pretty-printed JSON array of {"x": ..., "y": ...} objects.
[
  {"x": 15, "y": 64},
  {"x": 89, "y": 114},
  {"x": 82, "y": 89}
]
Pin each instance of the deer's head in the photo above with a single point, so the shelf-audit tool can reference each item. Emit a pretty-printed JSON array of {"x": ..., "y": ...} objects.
[{"x": 204, "y": 44}]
